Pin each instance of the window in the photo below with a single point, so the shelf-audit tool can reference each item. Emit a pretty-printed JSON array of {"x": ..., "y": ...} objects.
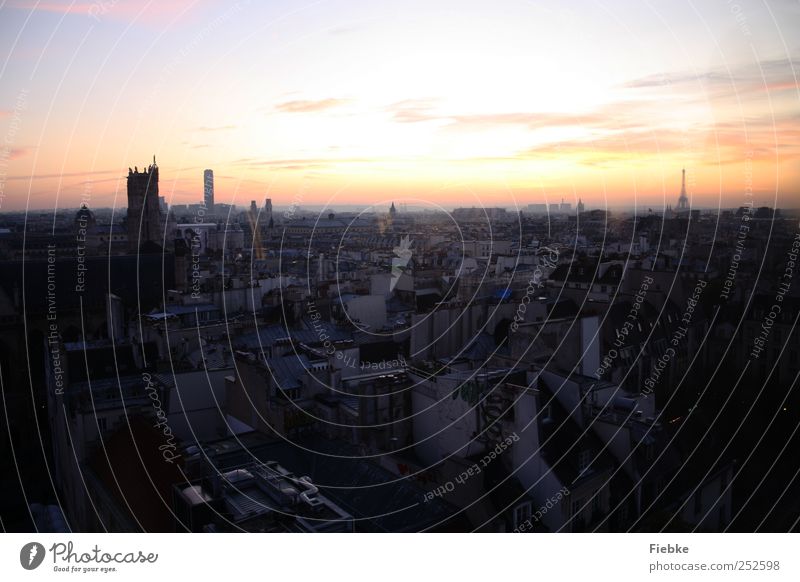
[{"x": 522, "y": 514}]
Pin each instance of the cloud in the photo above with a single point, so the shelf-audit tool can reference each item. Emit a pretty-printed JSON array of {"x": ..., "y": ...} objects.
[
  {"x": 66, "y": 175},
  {"x": 216, "y": 128},
  {"x": 309, "y": 106},
  {"x": 533, "y": 120},
  {"x": 414, "y": 110},
  {"x": 666, "y": 80},
  {"x": 613, "y": 116},
  {"x": 17, "y": 153},
  {"x": 301, "y": 163},
  {"x": 693, "y": 100},
  {"x": 153, "y": 13},
  {"x": 735, "y": 81},
  {"x": 722, "y": 143},
  {"x": 347, "y": 29},
  {"x": 64, "y": 7}
]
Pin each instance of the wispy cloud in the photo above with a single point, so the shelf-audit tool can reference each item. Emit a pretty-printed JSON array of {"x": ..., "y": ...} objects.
[
  {"x": 124, "y": 10},
  {"x": 309, "y": 106},
  {"x": 719, "y": 144},
  {"x": 347, "y": 29},
  {"x": 216, "y": 127},
  {"x": 414, "y": 110},
  {"x": 531, "y": 120},
  {"x": 639, "y": 107},
  {"x": 735, "y": 81},
  {"x": 17, "y": 153},
  {"x": 65, "y": 175},
  {"x": 64, "y": 7},
  {"x": 302, "y": 163},
  {"x": 616, "y": 115}
]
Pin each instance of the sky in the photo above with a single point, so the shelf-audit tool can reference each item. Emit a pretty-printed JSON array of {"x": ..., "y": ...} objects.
[{"x": 448, "y": 103}]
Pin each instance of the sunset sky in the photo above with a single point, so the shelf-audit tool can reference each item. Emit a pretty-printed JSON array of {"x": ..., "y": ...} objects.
[{"x": 356, "y": 102}]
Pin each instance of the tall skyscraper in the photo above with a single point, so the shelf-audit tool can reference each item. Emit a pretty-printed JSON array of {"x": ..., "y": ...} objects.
[
  {"x": 683, "y": 200},
  {"x": 144, "y": 214},
  {"x": 208, "y": 189}
]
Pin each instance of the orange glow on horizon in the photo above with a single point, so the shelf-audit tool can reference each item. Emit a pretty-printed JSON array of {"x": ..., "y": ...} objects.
[{"x": 483, "y": 107}]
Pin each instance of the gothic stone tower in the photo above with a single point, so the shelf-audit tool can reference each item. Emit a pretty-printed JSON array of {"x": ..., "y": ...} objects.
[{"x": 144, "y": 214}]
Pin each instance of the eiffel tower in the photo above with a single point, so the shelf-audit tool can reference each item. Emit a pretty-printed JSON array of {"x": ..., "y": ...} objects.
[{"x": 683, "y": 200}]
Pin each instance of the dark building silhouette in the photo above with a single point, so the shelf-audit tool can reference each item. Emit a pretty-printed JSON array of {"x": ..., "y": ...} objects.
[
  {"x": 208, "y": 189},
  {"x": 84, "y": 220},
  {"x": 144, "y": 213}
]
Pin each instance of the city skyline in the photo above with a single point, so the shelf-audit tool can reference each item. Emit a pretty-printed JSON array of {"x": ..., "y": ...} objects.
[
  {"x": 469, "y": 110},
  {"x": 400, "y": 267}
]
